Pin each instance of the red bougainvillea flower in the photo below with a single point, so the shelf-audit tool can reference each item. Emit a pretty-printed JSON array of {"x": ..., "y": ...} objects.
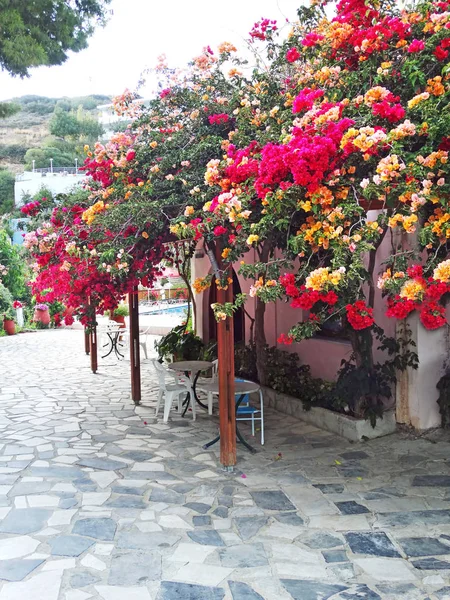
[
  {"x": 415, "y": 271},
  {"x": 285, "y": 339},
  {"x": 287, "y": 279},
  {"x": 399, "y": 308},
  {"x": 329, "y": 298},
  {"x": 218, "y": 119},
  {"x": 306, "y": 299},
  {"x": 416, "y": 46},
  {"x": 292, "y": 55},
  {"x": 31, "y": 209},
  {"x": 436, "y": 289},
  {"x": 432, "y": 315},
  {"x": 359, "y": 315},
  {"x": 440, "y": 53},
  {"x": 305, "y": 100},
  {"x": 164, "y": 93},
  {"x": 131, "y": 154},
  {"x": 219, "y": 230},
  {"x": 68, "y": 320},
  {"x": 260, "y": 28},
  {"x": 311, "y": 39},
  {"x": 391, "y": 112}
]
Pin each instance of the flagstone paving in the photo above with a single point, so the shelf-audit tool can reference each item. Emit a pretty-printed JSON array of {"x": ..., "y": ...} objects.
[{"x": 101, "y": 500}]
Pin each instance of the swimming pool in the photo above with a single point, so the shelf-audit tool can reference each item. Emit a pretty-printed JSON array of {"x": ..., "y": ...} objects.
[{"x": 170, "y": 309}]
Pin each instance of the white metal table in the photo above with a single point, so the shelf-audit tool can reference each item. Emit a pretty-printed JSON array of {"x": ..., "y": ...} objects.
[
  {"x": 114, "y": 334},
  {"x": 241, "y": 389},
  {"x": 192, "y": 369}
]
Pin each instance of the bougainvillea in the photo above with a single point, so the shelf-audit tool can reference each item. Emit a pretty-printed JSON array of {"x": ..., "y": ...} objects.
[{"x": 347, "y": 115}]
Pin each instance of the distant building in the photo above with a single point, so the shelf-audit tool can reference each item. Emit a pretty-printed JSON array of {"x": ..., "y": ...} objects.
[
  {"x": 57, "y": 179},
  {"x": 112, "y": 122}
]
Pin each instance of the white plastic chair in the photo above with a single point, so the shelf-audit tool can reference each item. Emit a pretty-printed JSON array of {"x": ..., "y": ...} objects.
[
  {"x": 204, "y": 381},
  {"x": 170, "y": 391},
  {"x": 143, "y": 335}
]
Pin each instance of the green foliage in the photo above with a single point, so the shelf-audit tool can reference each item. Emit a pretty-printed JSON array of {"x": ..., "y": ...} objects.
[
  {"x": 11, "y": 258},
  {"x": 6, "y": 303},
  {"x": 181, "y": 344},
  {"x": 42, "y": 157},
  {"x": 7, "y": 109},
  {"x": 443, "y": 385},
  {"x": 121, "y": 311},
  {"x": 74, "y": 125},
  {"x": 15, "y": 152},
  {"x": 362, "y": 388},
  {"x": 7, "y": 180},
  {"x": 42, "y": 33}
]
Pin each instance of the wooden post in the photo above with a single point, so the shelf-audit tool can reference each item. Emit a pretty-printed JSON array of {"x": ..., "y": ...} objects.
[
  {"x": 92, "y": 335},
  {"x": 86, "y": 341},
  {"x": 227, "y": 411},
  {"x": 135, "y": 359},
  {"x": 93, "y": 348}
]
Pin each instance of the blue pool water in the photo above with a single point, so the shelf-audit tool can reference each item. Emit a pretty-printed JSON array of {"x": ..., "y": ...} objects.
[{"x": 175, "y": 309}]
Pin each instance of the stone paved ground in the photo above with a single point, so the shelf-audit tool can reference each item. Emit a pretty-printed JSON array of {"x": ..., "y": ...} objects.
[{"x": 101, "y": 500}]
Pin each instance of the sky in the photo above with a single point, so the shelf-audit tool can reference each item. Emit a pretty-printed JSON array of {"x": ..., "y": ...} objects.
[{"x": 137, "y": 33}]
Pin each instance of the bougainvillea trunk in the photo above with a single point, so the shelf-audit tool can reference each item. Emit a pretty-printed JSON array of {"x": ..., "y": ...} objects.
[
  {"x": 260, "y": 341},
  {"x": 260, "y": 332}
]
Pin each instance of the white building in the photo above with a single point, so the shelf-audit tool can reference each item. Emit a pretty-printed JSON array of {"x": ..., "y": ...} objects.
[{"x": 58, "y": 179}]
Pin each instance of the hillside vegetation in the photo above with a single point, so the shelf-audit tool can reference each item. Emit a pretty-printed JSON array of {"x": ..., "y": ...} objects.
[
  {"x": 42, "y": 129},
  {"x": 30, "y": 128}
]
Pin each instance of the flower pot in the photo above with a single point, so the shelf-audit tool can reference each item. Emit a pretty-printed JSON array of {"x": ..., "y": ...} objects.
[
  {"x": 41, "y": 316},
  {"x": 9, "y": 326},
  {"x": 118, "y": 319}
]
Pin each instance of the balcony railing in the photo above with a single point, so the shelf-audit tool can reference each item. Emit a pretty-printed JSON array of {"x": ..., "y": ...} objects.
[{"x": 48, "y": 172}]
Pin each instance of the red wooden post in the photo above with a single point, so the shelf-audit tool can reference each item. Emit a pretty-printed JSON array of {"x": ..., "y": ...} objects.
[
  {"x": 93, "y": 348},
  {"x": 227, "y": 414},
  {"x": 135, "y": 359},
  {"x": 86, "y": 341}
]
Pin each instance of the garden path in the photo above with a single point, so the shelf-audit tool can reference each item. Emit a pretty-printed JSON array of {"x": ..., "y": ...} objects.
[{"x": 98, "y": 499}]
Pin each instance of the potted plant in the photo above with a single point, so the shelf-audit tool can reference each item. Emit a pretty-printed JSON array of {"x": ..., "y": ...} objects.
[
  {"x": 180, "y": 344},
  {"x": 6, "y": 310},
  {"x": 119, "y": 314},
  {"x": 18, "y": 307},
  {"x": 41, "y": 314},
  {"x": 8, "y": 322}
]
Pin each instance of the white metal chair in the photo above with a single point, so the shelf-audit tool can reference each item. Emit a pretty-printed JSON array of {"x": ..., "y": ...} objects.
[
  {"x": 245, "y": 411},
  {"x": 170, "y": 391}
]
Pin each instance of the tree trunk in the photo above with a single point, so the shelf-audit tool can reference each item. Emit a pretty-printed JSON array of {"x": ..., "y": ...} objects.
[
  {"x": 260, "y": 333},
  {"x": 260, "y": 341}
]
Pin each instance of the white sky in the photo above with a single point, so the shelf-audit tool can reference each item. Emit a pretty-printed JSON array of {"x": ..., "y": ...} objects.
[{"x": 137, "y": 33}]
